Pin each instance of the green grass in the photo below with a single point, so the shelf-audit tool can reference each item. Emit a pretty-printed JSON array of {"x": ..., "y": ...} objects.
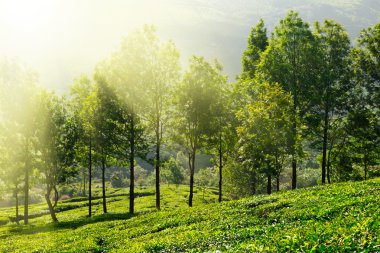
[{"x": 333, "y": 218}]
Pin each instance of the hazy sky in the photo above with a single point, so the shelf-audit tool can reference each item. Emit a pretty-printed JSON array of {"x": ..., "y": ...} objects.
[{"x": 61, "y": 39}]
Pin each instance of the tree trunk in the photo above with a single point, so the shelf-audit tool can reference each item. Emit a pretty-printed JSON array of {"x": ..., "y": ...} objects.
[
  {"x": 324, "y": 147},
  {"x": 192, "y": 168},
  {"x": 278, "y": 183},
  {"x": 51, "y": 209},
  {"x": 55, "y": 196},
  {"x": 132, "y": 168},
  {"x": 89, "y": 179},
  {"x": 220, "y": 169},
  {"x": 84, "y": 182},
  {"x": 158, "y": 143},
  {"x": 104, "y": 186},
  {"x": 294, "y": 173},
  {"x": 16, "y": 196},
  {"x": 26, "y": 194},
  {"x": 269, "y": 186},
  {"x": 365, "y": 167}
]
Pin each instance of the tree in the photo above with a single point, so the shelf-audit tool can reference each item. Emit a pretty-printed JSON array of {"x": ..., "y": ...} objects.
[
  {"x": 221, "y": 129},
  {"x": 57, "y": 136},
  {"x": 18, "y": 104},
  {"x": 83, "y": 100},
  {"x": 162, "y": 72},
  {"x": 105, "y": 127},
  {"x": 265, "y": 130},
  {"x": 173, "y": 171},
  {"x": 128, "y": 73},
  {"x": 257, "y": 43},
  {"x": 290, "y": 61},
  {"x": 194, "y": 101},
  {"x": 334, "y": 51}
]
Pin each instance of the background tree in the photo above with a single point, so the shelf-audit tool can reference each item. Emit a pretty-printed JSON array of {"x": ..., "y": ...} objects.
[{"x": 265, "y": 131}]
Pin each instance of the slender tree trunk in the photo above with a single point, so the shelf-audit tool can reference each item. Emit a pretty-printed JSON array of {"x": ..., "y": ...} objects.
[
  {"x": 84, "y": 182},
  {"x": 55, "y": 196},
  {"x": 324, "y": 147},
  {"x": 365, "y": 166},
  {"x": 26, "y": 194},
  {"x": 220, "y": 169},
  {"x": 269, "y": 186},
  {"x": 192, "y": 168},
  {"x": 278, "y": 183},
  {"x": 51, "y": 209},
  {"x": 294, "y": 143},
  {"x": 158, "y": 143},
  {"x": 132, "y": 168},
  {"x": 253, "y": 182},
  {"x": 89, "y": 178},
  {"x": 104, "y": 186},
  {"x": 16, "y": 196}
]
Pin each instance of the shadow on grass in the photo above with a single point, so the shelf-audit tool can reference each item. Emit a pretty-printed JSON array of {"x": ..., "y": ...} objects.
[
  {"x": 73, "y": 224},
  {"x": 94, "y": 219}
]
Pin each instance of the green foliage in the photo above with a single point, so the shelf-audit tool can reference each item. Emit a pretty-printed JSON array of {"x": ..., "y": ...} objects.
[{"x": 173, "y": 172}]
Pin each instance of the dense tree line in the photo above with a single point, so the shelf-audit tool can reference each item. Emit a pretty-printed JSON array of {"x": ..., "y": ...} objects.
[{"x": 302, "y": 91}]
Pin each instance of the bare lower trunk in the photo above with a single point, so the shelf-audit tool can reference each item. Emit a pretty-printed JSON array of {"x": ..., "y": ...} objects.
[
  {"x": 55, "y": 196},
  {"x": 158, "y": 204},
  {"x": 294, "y": 173},
  {"x": 192, "y": 168},
  {"x": 278, "y": 183},
  {"x": 16, "y": 196},
  {"x": 104, "y": 187},
  {"x": 220, "y": 169},
  {"x": 89, "y": 179},
  {"x": 84, "y": 182},
  {"x": 51, "y": 209},
  {"x": 324, "y": 146},
  {"x": 26, "y": 198},
  {"x": 365, "y": 167},
  {"x": 269, "y": 186},
  {"x": 132, "y": 168}
]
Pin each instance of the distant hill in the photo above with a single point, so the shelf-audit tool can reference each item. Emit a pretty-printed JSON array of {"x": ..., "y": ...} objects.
[{"x": 219, "y": 28}]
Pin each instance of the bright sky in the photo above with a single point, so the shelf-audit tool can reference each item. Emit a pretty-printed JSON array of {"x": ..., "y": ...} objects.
[{"x": 62, "y": 39}]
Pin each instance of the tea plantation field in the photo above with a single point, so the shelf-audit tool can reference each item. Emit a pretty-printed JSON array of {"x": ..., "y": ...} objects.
[{"x": 333, "y": 218}]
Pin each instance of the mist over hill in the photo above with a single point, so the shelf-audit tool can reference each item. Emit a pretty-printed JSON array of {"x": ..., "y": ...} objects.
[
  {"x": 63, "y": 39},
  {"x": 221, "y": 27}
]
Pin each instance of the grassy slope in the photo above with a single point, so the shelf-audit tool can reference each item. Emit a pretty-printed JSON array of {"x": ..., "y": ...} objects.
[{"x": 340, "y": 217}]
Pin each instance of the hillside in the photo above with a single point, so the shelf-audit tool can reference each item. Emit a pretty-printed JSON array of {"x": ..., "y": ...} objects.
[{"x": 340, "y": 217}]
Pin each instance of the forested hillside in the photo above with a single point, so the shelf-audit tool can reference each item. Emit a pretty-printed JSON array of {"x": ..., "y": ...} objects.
[{"x": 303, "y": 112}]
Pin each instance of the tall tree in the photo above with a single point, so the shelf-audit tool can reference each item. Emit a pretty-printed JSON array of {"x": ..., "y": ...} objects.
[
  {"x": 83, "y": 100},
  {"x": 194, "y": 101},
  {"x": 290, "y": 61},
  {"x": 57, "y": 136},
  {"x": 257, "y": 43},
  {"x": 162, "y": 73},
  {"x": 17, "y": 87},
  {"x": 334, "y": 49},
  {"x": 128, "y": 73},
  {"x": 105, "y": 127}
]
